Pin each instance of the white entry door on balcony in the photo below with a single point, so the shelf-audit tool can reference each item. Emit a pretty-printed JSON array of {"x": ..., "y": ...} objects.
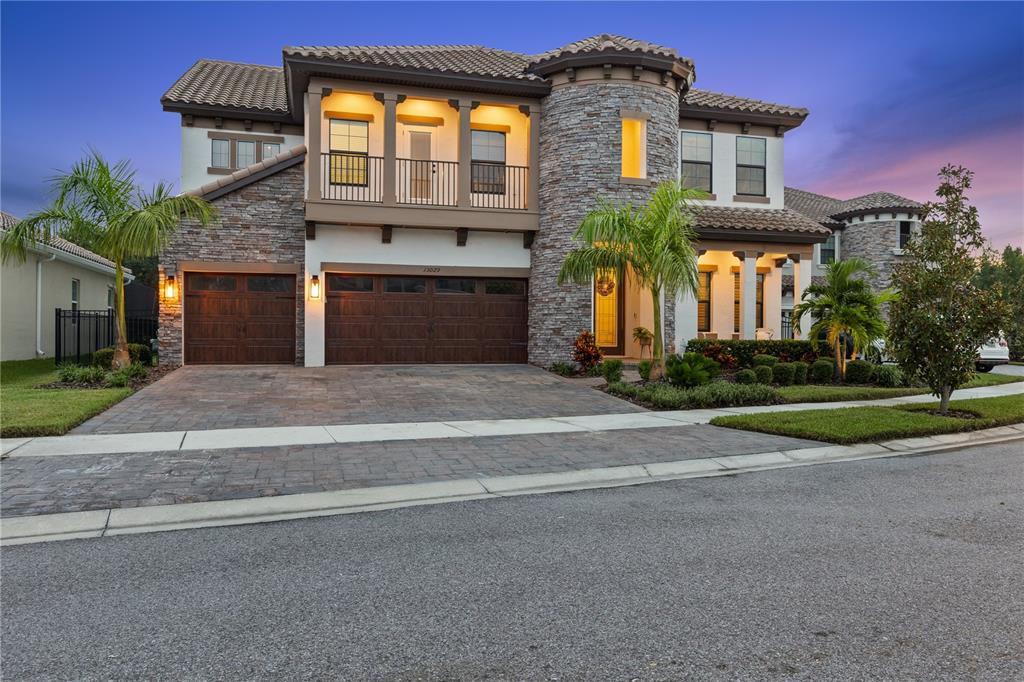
[{"x": 421, "y": 176}]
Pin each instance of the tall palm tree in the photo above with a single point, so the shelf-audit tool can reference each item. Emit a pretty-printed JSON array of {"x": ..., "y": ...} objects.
[
  {"x": 652, "y": 245},
  {"x": 100, "y": 204},
  {"x": 844, "y": 307}
]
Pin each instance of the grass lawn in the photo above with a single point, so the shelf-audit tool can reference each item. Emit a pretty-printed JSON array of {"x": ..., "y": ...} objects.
[
  {"x": 826, "y": 394},
  {"x": 865, "y": 424},
  {"x": 29, "y": 411}
]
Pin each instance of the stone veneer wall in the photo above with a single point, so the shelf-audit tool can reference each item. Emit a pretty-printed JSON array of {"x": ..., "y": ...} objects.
[
  {"x": 580, "y": 161},
  {"x": 875, "y": 241},
  {"x": 260, "y": 223}
]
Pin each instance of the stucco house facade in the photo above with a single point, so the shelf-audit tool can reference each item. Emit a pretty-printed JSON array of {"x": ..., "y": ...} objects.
[
  {"x": 59, "y": 274},
  {"x": 408, "y": 204}
]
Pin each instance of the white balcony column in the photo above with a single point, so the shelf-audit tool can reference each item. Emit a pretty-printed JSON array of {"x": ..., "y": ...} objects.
[
  {"x": 803, "y": 268},
  {"x": 533, "y": 163},
  {"x": 686, "y": 314},
  {"x": 390, "y": 100},
  {"x": 314, "y": 160},
  {"x": 465, "y": 173},
  {"x": 748, "y": 293}
]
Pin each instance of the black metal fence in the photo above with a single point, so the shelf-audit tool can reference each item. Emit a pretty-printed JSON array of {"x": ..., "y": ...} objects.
[
  {"x": 787, "y": 324},
  {"x": 80, "y": 333}
]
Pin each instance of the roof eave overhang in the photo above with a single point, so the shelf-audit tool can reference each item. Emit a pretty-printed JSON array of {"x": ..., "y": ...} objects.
[
  {"x": 299, "y": 70},
  {"x": 706, "y": 113},
  {"x": 725, "y": 233},
  {"x": 651, "y": 62},
  {"x": 880, "y": 209},
  {"x": 226, "y": 111}
]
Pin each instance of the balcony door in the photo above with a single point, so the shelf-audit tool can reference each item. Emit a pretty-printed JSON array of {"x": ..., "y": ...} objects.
[{"x": 421, "y": 175}]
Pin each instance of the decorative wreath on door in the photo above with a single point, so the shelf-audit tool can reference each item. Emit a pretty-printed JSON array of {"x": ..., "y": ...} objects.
[{"x": 605, "y": 285}]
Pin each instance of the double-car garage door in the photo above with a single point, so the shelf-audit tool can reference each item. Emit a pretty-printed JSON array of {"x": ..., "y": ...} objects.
[
  {"x": 377, "y": 319},
  {"x": 235, "y": 318}
]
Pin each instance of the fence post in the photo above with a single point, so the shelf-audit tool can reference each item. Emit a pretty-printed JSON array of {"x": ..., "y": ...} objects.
[{"x": 57, "y": 333}]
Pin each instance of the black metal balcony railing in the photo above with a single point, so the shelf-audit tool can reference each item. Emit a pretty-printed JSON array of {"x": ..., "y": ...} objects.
[
  {"x": 352, "y": 177},
  {"x": 426, "y": 183},
  {"x": 495, "y": 185}
]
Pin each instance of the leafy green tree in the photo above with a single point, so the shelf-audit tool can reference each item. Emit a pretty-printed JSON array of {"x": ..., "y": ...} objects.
[
  {"x": 844, "y": 307},
  {"x": 652, "y": 245},
  {"x": 942, "y": 316},
  {"x": 1007, "y": 273},
  {"x": 99, "y": 206}
]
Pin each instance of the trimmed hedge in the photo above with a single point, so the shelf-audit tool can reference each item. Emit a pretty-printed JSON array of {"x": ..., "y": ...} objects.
[
  {"x": 769, "y": 360},
  {"x": 138, "y": 352},
  {"x": 888, "y": 376},
  {"x": 731, "y": 354},
  {"x": 800, "y": 373},
  {"x": 764, "y": 374},
  {"x": 746, "y": 376},
  {"x": 660, "y": 395},
  {"x": 859, "y": 372},
  {"x": 782, "y": 373},
  {"x": 823, "y": 371}
]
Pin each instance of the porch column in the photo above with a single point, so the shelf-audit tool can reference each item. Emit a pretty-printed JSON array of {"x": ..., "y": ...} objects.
[
  {"x": 748, "y": 298},
  {"x": 686, "y": 315},
  {"x": 533, "y": 162},
  {"x": 313, "y": 149},
  {"x": 390, "y": 100},
  {"x": 465, "y": 151},
  {"x": 802, "y": 271}
]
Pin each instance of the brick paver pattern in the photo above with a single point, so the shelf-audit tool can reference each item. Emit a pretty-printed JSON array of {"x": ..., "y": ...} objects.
[
  {"x": 47, "y": 485},
  {"x": 225, "y": 397}
]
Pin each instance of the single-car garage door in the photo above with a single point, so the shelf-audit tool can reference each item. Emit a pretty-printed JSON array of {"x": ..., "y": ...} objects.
[
  {"x": 234, "y": 318},
  {"x": 376, "y": 319}
]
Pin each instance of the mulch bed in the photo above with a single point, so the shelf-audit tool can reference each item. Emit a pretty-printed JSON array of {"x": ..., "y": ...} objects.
[
  {"x": 958, "y": 414},
  {"x": 153, "y": 374}
]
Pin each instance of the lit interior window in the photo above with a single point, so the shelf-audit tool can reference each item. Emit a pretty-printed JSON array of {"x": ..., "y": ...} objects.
[{"x": 634, "y": 148}]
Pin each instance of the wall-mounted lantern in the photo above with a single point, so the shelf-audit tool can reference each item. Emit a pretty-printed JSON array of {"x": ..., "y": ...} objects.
[
  {"x": 314, "y": 287},
  {"x": 170, "y": 288}
]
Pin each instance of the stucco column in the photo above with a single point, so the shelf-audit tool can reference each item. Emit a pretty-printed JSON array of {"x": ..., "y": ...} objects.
[
  {"x": 313, "y": 149},
  {"x": 686, "y": 316},
  {"x": 748, "y": 298},
  {"x": 802, "y": 271},
  {"x": 533, "y": 163},
  {"x": 465, "y": 151},
  {"x": 390, "y": 100}
]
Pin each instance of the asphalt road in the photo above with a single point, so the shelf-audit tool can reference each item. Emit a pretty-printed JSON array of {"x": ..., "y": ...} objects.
[{"x": 907, "y": 568}]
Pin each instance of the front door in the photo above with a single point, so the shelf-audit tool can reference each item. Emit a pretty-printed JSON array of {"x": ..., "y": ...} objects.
[
  {"x": 421, "y": 179},
  {"x": 608, "y": 312}
]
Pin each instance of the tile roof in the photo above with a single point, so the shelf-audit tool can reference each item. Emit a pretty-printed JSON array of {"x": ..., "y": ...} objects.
[
  {"x": 787, "y": 281},
  {"x": 8, "y": 221},
  {"x": 706, "y": 99},
  {"x": 232, "y": 85},
  {"x": 816, "y": 206},
  {"x": 876, "y": 200},
  {"x": 775, "y": 220},
  {"x": 228, "y": 183},
  {"x": 475, "y": 60},
  {"x": 608, "y": 42}
]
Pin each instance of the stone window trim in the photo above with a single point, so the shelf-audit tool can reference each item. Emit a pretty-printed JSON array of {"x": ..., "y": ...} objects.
[
  {"x": 643, "y": 182},
  {"x": 751, "y": 199},
  {"x": 635, "y": 114},
  {"x": 233, "y": 139}
]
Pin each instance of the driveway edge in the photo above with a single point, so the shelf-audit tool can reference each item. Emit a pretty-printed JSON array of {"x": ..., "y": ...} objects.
[{"x": 100, "y": 523}]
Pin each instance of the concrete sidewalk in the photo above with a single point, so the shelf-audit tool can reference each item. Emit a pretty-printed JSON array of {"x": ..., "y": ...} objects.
[{"x": 226, "y": 439}]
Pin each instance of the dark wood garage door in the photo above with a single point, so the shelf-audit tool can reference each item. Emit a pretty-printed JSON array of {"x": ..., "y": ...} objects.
[
  {"x": 377, "y": 319},
  {"x": 239, "y": 318}
]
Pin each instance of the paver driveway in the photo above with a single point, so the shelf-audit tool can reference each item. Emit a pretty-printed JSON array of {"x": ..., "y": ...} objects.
[{"x": 218, "y": 397}]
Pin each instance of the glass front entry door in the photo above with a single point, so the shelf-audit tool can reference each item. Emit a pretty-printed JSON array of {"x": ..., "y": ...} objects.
[{"x": 608, "y": 309}]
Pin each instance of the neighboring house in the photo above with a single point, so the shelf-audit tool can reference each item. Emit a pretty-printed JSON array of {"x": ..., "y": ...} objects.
[
  {"x": 54, "y": 275},
  {"x": 414, "y": 204},
  {"x": 874, "y": 227}
]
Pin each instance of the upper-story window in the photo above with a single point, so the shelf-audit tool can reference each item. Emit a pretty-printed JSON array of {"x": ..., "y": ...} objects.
[
  {"x": 271, "y": 149},
  {"x": 906, "y": 230},
  {"x": 246, "y": 152},
  {"x": 828, "y": 250},
  {"x": 634, "y": 147},
  {"x": 220, "y": 154},
  {"x": 488, "y": 162},
  {"x": 750, "y": 166},
  {"x": 696, "y": 160},
  {"x": 350, "y": 144}
]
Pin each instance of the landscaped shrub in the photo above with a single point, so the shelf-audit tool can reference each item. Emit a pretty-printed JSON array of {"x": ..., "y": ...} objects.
[
  {"x": 137, "y": 352},
  {"x": 823, "y": 371},
  {"x": 692, "y": 369},
  {"x": 742, "y": 352},
  {"x": 78, "y": 374},
  {"x": 764, "y": 374},
  {"x": 859, "y": 372},
  {"x": 566, "y": 369},
  {"x": 611, "y": 370},
  {"x": 888, "y": 376},
  {"x": 782, "y": 373},
  {"x": 103, "y": 357},
  {"x": 768, "y": 360},
  {"x": 644, "y": 368},
  {"x": 585, "y": 351},
  {"x": 124, "y": 376},
  {"x": 716, "y": 394},
  {"x": 800, "y": 372},
  {"x": 746, "y": 376}
]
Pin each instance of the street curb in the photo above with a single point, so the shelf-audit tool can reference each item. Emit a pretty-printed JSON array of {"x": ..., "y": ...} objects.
[{"x": 106, "y": 522}]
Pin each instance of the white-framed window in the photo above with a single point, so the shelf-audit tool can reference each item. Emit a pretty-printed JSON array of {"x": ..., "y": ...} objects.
[
  {"x": 245, "y": 153},
  {"x": 350, "y": 145},
  {"x": 271, "y": 149},
  {"x": 695, "y": 167},
  {"x": 906, "y": 231},
  {"x": 220, "y": 153},
  {"x": 110, "y": 297},
  {"x": 750, "y": 165},
  {"x": 829, "y": 250},
  {"x": 76, "y": 290},
  {"x": 488, "y": 150},
  {"x": 634, "y": 148}
]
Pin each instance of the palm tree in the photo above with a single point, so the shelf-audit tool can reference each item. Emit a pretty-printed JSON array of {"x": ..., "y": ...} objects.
[
  {"x": 652, "y": 245},
  {"x": 101, "y": 204},
  {"x": 844, "y": 307}
]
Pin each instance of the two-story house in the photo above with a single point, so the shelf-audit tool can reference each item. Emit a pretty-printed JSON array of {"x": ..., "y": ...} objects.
[{"x": 413, "y": 204}]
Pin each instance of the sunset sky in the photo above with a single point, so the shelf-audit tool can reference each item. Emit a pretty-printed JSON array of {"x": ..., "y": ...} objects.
[{"x": 895, "y": 90}]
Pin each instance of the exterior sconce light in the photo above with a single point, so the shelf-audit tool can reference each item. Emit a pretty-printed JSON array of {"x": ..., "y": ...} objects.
[
  {"x": 314, "y": 287},
  {"x": 170, "y": 288}
]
